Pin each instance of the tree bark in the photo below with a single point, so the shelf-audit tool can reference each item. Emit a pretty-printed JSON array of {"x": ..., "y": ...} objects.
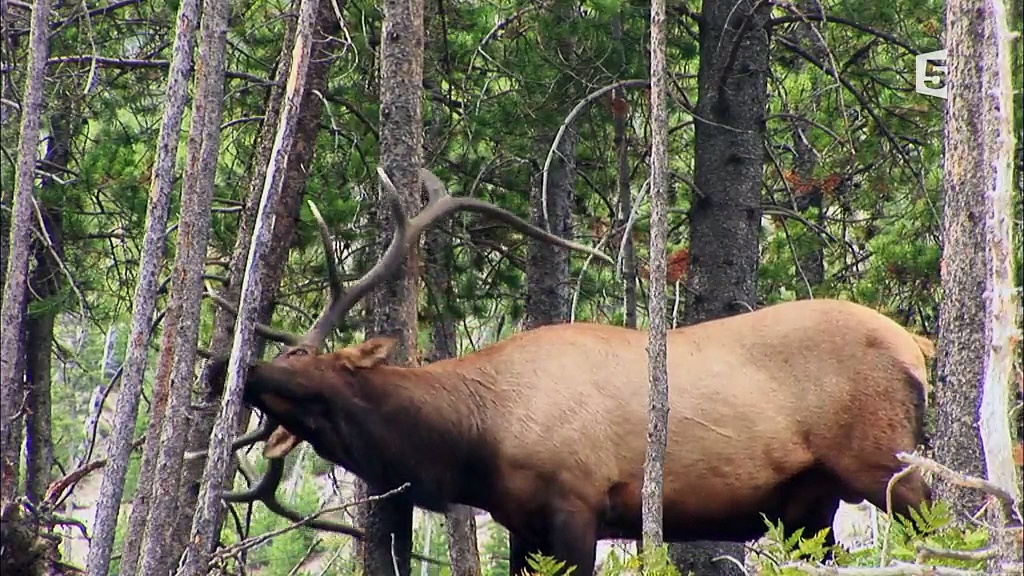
[
  {"x": 725, "y": 214},
  {"x": 387, "y": 546},
  {"x": 657, "y": 371},
  {"x": 978, "y": 310},
  {"x": 627, "y": 257},
  {"x": 152, "y": 255},
  {"x": 547, "y": 267},
  {"x": 186, "y": 283},
  {"x": 12, "y": 313},
  {"x": 285, "y": 224},
  {"x": 460, "y": 525},
  {"x": 203, "y": 535},
  {"x": 45, "y": 283}
]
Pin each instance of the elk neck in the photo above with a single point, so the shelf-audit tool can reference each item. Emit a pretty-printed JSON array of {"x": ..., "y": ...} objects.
[{"x": 426, "y": 426}]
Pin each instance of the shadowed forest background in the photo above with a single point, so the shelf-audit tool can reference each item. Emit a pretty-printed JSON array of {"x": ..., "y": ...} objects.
[{"x": 539, "y": 106}]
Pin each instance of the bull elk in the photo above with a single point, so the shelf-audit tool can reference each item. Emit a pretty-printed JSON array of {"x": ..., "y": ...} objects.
[{"x": 783, "y": 411}]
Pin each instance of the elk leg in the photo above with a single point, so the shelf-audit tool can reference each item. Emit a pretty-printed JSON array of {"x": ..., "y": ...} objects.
[
  {"x": 819, "y": 516},
  {"x": 573, "y": 539},
  {"x": 519, "y": 550}
]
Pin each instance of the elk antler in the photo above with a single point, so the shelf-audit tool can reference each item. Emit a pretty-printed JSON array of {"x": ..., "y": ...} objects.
[{"x": 407, "y": 232}]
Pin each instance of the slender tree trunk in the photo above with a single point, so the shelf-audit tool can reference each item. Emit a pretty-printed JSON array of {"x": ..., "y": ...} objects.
[
  {"x": 810, "y": 253},
  {"x": 12, "y": 394},
  {"x": 978, "y": 311},
  {"x": 285, "y": 223},
  {"x": 186, "y": 283},
  {"x": 152, "y": 255},
  {"x": 460, "y": 525},
  {"x": 725, "y": 214},
  {"x": 657, "y": 371},
  {"x": 620, "y": 114},
  {"x": 388, "y": 523}
]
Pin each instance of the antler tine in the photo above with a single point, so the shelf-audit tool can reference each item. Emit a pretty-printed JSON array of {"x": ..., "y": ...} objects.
[
  {"x": 384, "y": 268},
  {"x": 261, "y": 433},
  {"x": 329, "y": 254},
  {"x": 442, "y": 205},
  {"x": 265, "y": 488}
]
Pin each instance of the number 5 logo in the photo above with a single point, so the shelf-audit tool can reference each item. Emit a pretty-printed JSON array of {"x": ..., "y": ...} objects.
[{"x": 930, "y": 74}]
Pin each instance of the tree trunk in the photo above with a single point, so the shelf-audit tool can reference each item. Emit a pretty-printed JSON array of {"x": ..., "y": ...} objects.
[
  {"x": 205, "y": 525},
  {"x": 725, "y": 214},
  {"x": 285, "y": 224},
  {"x": 547, "y": 267},
  {"x": 460, "y": 525},
  {"x": 627, "y": 258},
  {"x": 388, "y": 522},
  {"x": 45, "y": 282},
  {"x": 186, "y": 283},
  {"x": 152, "y": 255},
  {"x": 12, "y": 395},
  {"x": 657, "y": 371},
  {"x": 978, "y": 311}
]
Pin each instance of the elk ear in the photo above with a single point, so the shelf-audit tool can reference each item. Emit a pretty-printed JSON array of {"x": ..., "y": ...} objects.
[
  {"x": 280, "y": 443},
  {"x": 371, "y": 353}
]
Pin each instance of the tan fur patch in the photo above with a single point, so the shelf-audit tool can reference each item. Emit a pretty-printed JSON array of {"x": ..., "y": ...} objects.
[
  {"x": 280, "y": 443},
  {"x": 370, "y": 354}
]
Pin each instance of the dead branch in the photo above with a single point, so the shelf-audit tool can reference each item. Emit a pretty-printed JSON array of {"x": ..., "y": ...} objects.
[
  {"x": 899, "y": 569},
  {"x": 57, "y": 489},
  {"x": 924, "y": 552},
  {"x": 957, "y": 478},
  {"x": 250, "y": 543}
]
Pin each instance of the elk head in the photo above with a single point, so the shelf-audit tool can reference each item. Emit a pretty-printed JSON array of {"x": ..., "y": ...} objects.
[{"x": 287, "y": 398}]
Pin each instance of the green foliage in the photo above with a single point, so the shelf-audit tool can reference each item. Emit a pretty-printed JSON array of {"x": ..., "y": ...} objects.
[
  {"x": 651, "y": 561},
  {"x": 933, "y": 527}
]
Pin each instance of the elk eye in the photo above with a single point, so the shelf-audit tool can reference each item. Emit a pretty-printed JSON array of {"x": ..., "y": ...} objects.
[{"x": 298, "y": 352}]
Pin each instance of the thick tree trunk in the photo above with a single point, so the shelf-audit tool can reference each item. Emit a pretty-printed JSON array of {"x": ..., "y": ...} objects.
[
  {"x": 12, "y": 395},
  {"x": 547, "y": 267},
  {"x": 45, "y": 283},
  {"x": 978, "y": 311},
  {"x": 186, "y": 283},
  {"x": 725, "y": 214},
  {"x": 388, "y": 522}
]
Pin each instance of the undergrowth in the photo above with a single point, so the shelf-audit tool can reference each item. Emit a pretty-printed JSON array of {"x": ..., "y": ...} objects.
[{"x": 773, "y": 555}]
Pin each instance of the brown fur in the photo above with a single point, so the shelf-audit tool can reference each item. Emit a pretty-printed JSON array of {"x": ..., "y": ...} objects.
[{"x": 783, "y": 411}]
